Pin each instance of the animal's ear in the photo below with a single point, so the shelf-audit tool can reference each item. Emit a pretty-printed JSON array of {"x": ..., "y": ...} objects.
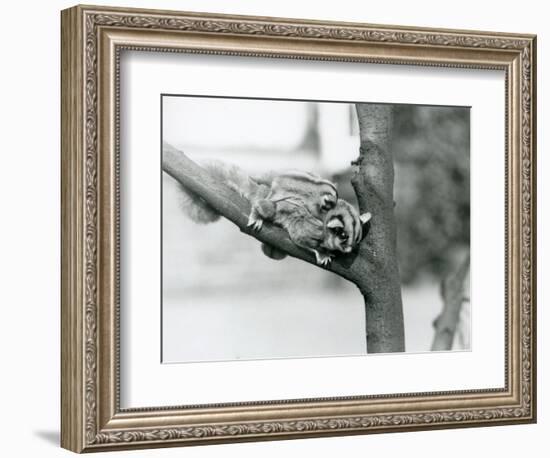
[
  {"x": 365, "y": 218},
  {"x": 329, "y": 201},
  {"x": 365, "y": 224}
]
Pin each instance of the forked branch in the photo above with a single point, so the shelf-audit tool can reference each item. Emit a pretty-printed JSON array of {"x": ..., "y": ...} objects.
[{"x": 373, "y": 268}]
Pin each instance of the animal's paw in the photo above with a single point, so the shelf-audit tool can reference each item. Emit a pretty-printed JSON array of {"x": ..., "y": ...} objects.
[
  {"x": 265, "y": 208},
  {"x": 322, "y": 259},
  {"x": 255, "y": 222}
]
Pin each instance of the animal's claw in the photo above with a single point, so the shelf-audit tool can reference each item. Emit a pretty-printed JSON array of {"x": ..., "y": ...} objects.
[
  {"x": 322, "y": 260},
  {"x": 255, "y": 223}
]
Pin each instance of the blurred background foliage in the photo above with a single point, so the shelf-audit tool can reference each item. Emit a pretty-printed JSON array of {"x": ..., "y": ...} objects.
[
  {"x": 432, "y": 161},
  {"x": 431, "y": 150}
]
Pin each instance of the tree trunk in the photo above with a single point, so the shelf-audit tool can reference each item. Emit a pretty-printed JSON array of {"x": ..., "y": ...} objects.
[{"x": 373, "y": 184}]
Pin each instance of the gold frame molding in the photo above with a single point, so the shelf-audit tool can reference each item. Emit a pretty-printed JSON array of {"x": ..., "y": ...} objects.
[{"x": 92, "y": 39}]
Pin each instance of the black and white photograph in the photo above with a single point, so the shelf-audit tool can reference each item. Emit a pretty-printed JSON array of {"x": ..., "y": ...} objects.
[
  {"x": 275, "y": 229},
  {"x": 308, "y": 228}
]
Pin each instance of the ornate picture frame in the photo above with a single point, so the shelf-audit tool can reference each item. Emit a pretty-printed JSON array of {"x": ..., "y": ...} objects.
[{"x": 92, "y": 40}]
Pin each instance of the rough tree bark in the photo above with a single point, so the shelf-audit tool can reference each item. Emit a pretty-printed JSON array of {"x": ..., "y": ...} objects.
[
  {"x": 373, "y": 268},
  {"x": 373, "y": 185}
]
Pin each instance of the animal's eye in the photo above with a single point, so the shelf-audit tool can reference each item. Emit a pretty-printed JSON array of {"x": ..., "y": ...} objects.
[{"x": 343, "y": 236}]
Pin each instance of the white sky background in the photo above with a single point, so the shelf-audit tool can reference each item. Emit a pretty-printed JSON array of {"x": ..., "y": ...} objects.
[
  {"x": 214, "y": 127},
  {"x": 234, "y": 123}
]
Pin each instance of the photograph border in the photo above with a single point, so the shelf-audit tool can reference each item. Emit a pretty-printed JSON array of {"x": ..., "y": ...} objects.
[
  {"x": 92, "y": 40},
  {"x": 161, "y": 218}
]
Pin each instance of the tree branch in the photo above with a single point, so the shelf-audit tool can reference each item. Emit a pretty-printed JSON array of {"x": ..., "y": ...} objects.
[
  {"x": 236, "y": 209},
  {"x": 452, "y": 293}
]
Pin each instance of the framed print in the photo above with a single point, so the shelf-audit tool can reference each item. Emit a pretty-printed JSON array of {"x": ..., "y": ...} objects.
[{"x": 277, "y": 228}]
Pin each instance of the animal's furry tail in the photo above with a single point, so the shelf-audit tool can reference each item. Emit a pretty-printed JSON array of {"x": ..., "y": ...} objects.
[{"x": 196, "y": 208}]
